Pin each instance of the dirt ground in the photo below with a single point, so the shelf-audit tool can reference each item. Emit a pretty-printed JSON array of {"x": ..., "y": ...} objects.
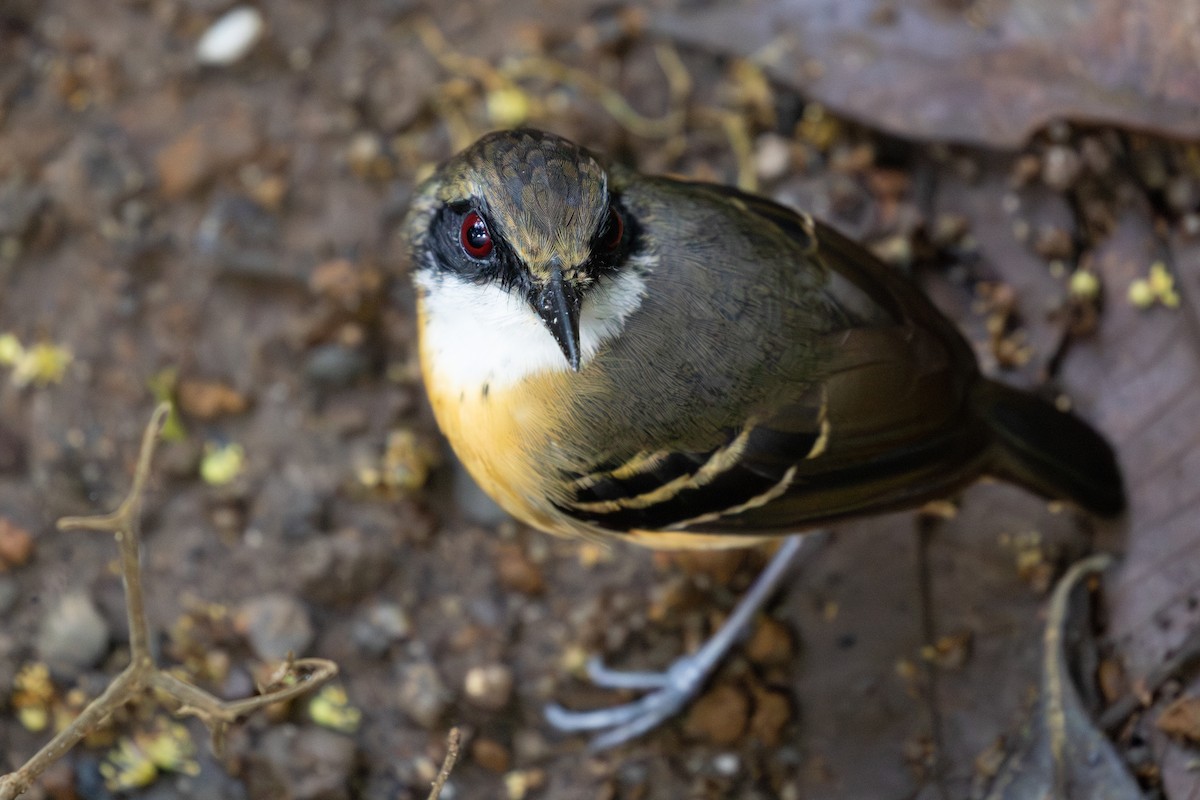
[{"x": 226, "y": 236}]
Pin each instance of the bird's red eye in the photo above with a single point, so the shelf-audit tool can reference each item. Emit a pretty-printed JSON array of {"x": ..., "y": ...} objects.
[
  {"x": 613, "y": 232},
  {"x": 475, "y": 237}
]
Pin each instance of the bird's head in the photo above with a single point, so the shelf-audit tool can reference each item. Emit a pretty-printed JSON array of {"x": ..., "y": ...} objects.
[{"x": 525, "y": 214}]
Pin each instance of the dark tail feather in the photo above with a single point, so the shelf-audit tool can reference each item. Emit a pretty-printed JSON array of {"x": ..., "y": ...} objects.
[{"x": 1051, "y": 452}]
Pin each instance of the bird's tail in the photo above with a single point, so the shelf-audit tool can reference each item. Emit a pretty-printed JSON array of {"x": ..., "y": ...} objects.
[{"x": 1051, "y": 452}]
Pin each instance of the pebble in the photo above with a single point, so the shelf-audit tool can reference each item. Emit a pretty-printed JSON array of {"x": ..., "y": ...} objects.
[
  {"x": 530, "y": 746},
  {"x": 772, "y": 711},
  {"x": 16, "y": 545},
  {"x": 491, "y": 755},
  {"x": 220, "y": 141},
  {"x": 243, "y": 238},
  {"x": 231, "y": 37},
  {"x": 275, "y": 625},
  {"x": 73, "y": 636},
  {"x": 305, "y": 763},
  {"x": 379, "y": 627},
  {"x": 720, "y": 716},
  {"x": 1053, "y": 242},
  {"x": 770, "y": 644},
  {"x": 517, "y": 571},
  {"x": 334, "y": 366},
  {"x": 489, "y": 686},
  {"x": 772, "y": 156},
  {"x": 95, "y": 174},
  {"x": 1061, "y": 166},
  {"x": 288, "y": 508},
  {"x": 344, "y": 567},
  {"x": 727, "y": 764},
  {"x": 423, "y": 697},
  {"x": 207, "y": 400}
]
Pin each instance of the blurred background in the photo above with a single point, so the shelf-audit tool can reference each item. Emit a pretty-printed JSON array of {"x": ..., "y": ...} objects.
[{"x": 199, "y": 201}]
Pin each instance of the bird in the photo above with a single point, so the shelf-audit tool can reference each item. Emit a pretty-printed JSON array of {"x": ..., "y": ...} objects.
[{"x": 620, "y": 356}]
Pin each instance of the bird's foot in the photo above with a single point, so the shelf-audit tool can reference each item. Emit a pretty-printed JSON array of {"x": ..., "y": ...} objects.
[{"x": 669, "y": 691}]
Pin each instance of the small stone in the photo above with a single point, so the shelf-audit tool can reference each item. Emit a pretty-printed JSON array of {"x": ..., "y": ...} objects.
[
  {"x": 491, "y": 755},
  {"x": 489, "y": 686},
  {"x": 1061, "y": 166},
  {"x": 1053, "y": 242},
  {"x": 344, "y": 567},
  {"x": 530, "y": 746},
  {"x": 181, "y": 164},
  {"x": 1096, "y": 154},
  {"x": 208, "y": 400},
  {"x": 368, "y": 157},
  {"x": 772, "y": 156},
  {"x": 275, "y": 625},
  {"x": 1025, "y": 169},
  {"x": 16, "y": 545},
  {"x": 727, "y": 764},
  {"x": 194, "y": 158},
  {"x": 304, "y": 764},
  {"x": 381, "y": 626},
  {"x": 334, "y": 366},
  {"x": 422, "y": 696},
  {"x": 243, "y": 238},
  {"x": 286, "y": 507},
  {"x": 231, "y": 37},
  {"x": 73, "y": 636},
  {"x": 95, "y": 174},
  {"x": 517, "y": 571},
  {"x": 772, "y": 711},
  {"x": 720, "y": 716},
  {"x": 770, "y": 644}
]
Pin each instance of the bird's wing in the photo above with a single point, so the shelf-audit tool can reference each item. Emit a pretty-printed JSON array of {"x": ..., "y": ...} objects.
[{"x": 882, "y": 423}]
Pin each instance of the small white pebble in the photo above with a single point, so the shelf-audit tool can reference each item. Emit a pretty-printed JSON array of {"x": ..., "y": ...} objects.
[
  {"x": 231, "y": 37},
  {"x": 772, "y": 156},
  {"x": 727, "y": 764}
]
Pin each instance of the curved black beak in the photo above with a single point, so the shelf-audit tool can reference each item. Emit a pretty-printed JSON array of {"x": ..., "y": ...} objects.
[{"x": 557, "y": 303}]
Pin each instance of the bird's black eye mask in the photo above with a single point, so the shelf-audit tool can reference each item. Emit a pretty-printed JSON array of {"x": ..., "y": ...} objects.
[{"x": 466, "y": 244}]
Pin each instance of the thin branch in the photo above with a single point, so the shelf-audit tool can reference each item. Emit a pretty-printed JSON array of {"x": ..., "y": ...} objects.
[
  {"x": 453, "y": 742},
  {"x": 294, "y": 677}
]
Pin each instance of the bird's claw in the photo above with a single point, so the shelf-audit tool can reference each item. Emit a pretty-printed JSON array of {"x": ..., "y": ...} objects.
[{"x": 672, "y": 689}]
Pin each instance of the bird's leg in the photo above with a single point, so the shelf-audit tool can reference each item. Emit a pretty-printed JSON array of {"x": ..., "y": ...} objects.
[{"x": 671, "y": 690}]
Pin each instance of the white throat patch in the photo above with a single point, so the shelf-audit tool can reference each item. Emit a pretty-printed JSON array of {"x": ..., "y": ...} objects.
[{"x": 477, "y": 334}]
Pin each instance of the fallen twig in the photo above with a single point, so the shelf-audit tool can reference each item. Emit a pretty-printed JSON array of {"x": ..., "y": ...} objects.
[
  {"x": 143, "y": 676},
  {"x": 453, "y": 742}
]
